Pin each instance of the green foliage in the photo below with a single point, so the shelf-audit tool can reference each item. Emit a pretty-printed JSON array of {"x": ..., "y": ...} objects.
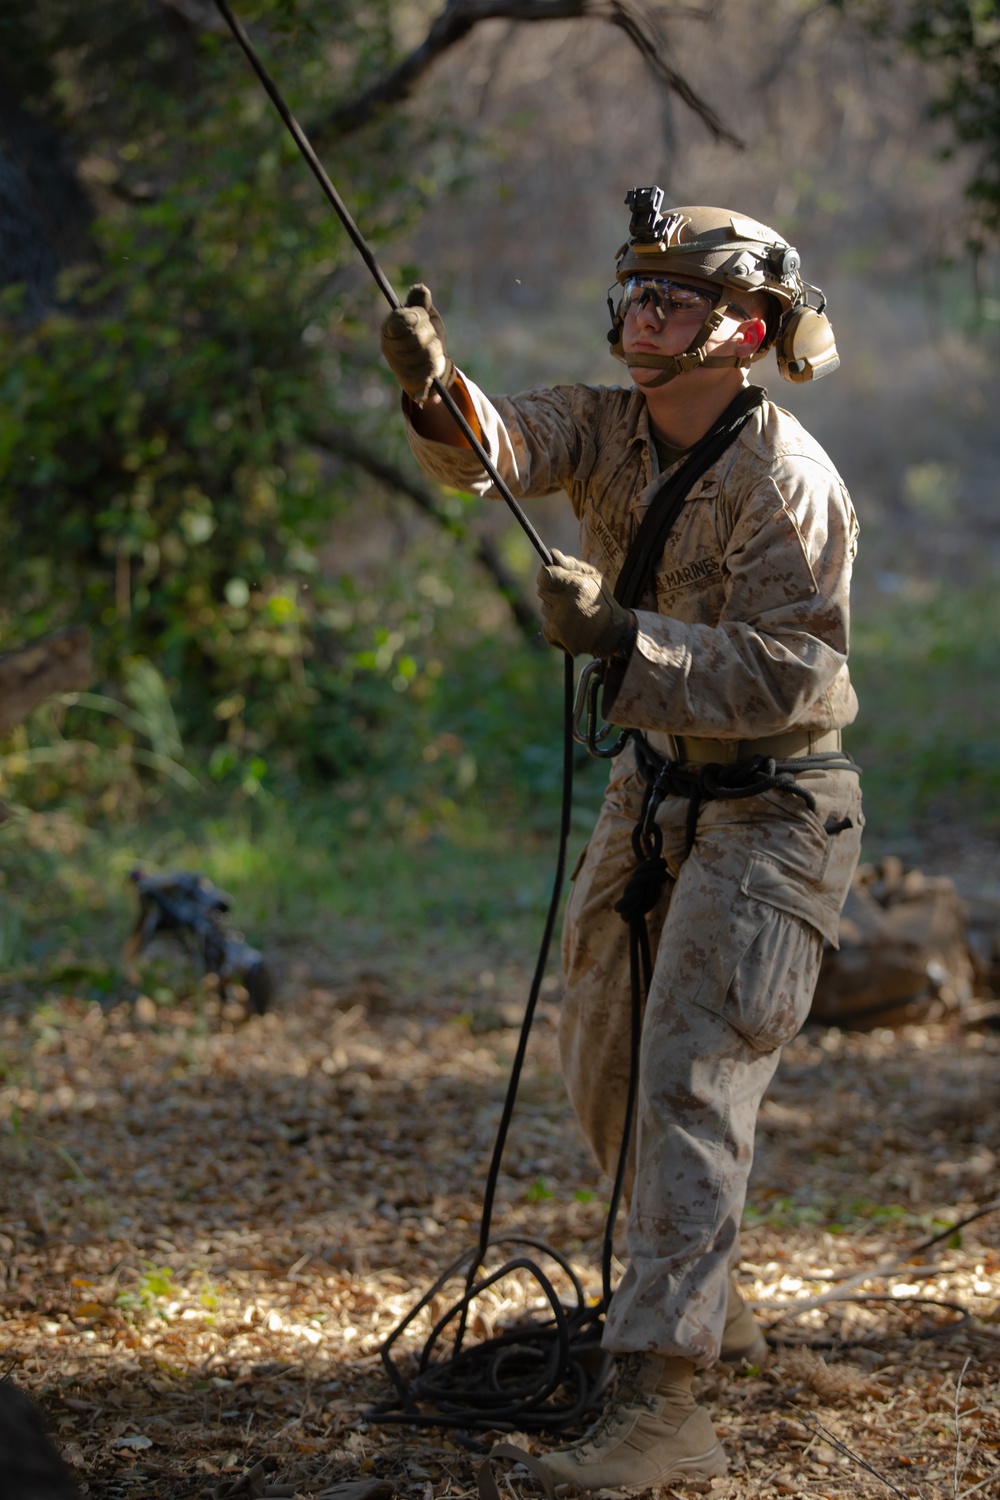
[
  {"x": 927, "y": 660},
  {"x": 153, "y": 1285},
  {"x": 161, "y": 473},
  {"x": 961, "y": 38},
  {"x": 101, "y": 747},
  {"x": 443, "y": 838}
]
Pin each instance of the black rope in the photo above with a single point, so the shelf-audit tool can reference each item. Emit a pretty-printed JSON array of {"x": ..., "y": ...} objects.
[
  {"x": 547, "y": 1374},
  {"x": 543, "y": 1373},
  {"x": 382, "y": 281},
  {"x": 561, "y": 1353},
  {"x": 698, "y": 784}
]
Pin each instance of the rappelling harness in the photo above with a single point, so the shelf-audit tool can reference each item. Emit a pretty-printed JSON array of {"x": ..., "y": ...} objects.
[{"x": 698, "y": 770}]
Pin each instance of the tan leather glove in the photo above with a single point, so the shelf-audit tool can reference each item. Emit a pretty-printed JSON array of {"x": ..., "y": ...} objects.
[
  {"x": 579, "y": 611},
  {"x": 413, "y": 344}
]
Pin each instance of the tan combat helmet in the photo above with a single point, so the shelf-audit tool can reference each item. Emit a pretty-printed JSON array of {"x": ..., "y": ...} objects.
[{"x": 738, "y": 255}]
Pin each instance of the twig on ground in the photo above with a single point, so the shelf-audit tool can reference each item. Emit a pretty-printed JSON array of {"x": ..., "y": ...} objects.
[
  {"x": 958, "y": 1424},
  {"x": 848, "y": 1452},
  {"x": 844, "y": 1285},
  {"x": 981, "y": 1484}
]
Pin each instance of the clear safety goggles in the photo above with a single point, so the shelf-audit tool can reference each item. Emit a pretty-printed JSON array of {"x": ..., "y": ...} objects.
[{"x": 666, "y": 296}]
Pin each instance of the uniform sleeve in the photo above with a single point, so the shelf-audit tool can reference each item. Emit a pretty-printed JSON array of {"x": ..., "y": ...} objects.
[
  {"x": 540, "y": 441},
  {"x": 781, "y": 642}
]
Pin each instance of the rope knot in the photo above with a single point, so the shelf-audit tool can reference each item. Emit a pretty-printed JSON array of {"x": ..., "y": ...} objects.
[{"x": 643, "y": 889}]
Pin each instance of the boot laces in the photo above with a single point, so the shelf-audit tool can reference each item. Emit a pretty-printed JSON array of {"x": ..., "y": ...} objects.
[
  {"x": 627, "y": 1393},
  {"x": 629, "y": 1389}
]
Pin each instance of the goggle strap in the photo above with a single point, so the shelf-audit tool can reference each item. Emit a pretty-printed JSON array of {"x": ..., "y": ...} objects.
[{"x": 694, "y": 355}]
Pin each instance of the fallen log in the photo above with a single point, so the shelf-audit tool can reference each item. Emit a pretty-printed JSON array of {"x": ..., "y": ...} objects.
[{"x": 904, "y": 953}]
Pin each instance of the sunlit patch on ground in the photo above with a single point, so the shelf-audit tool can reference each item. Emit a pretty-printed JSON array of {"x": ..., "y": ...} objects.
[{"x": 209, "y": 1227}]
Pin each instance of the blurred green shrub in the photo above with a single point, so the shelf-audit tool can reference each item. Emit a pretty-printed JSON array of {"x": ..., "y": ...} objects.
[
  {"x": 159, "y": 471},
  {"x": 928, "y": 733}
]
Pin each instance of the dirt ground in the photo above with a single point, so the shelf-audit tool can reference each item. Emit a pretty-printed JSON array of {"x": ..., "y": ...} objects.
[{"x": 209, "y": 1225}]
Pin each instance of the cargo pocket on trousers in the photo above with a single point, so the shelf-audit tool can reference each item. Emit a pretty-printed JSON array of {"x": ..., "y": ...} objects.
[
  {"x": 761, "y": 975},
  {"x": 771, "y": 989},
  {"x": 771, "y": 880}
]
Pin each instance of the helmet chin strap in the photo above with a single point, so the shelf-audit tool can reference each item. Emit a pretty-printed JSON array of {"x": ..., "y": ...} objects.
[{"x": 693, "y": 358}]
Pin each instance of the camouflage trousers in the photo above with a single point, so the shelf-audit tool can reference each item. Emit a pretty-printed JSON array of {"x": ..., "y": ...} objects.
[{"x": 737, "y": 937}]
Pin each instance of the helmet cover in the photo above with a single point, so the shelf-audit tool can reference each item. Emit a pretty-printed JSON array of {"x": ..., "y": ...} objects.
[{"x": 737, "y": 254}]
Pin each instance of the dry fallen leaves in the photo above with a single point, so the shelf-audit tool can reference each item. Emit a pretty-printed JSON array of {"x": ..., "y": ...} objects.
[{"x": 208, "y": 1228}]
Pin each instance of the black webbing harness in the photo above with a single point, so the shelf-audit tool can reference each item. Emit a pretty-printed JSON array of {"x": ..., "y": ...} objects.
[
  {"x": 673, "y": 778},
  {"x": 667, "y": 503},
  {"x": 645, "y": 550},
  {"x": 699, "y": 784},
  {"x": 664, "y": 777}
]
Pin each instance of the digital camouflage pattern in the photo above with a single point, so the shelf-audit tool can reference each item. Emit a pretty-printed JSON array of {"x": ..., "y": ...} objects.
[
  {"x": 738, "y": 935},
  {"x": 745, "y": 637}
]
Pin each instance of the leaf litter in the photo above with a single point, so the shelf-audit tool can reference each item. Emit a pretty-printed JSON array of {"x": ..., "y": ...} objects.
[{"x": 210, "y": 1224}]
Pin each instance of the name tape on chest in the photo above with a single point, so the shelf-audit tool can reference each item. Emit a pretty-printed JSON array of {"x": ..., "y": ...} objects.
[{"x": 700, "y": 571}]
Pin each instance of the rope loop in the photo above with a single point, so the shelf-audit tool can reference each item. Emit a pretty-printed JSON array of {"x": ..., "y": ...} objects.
[{"x": 753, "y": 777}]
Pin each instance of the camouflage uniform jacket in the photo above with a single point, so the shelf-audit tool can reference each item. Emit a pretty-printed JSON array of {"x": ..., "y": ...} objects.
[{"x": 747, "y": 635}]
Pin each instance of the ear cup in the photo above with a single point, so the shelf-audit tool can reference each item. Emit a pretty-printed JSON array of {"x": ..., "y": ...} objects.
[{"x": 806, "y": 348}]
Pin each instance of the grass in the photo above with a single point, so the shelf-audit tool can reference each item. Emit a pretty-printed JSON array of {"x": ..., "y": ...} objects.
[
  {"x": 928, "y": 733},
  {"x": 404, "y": 868},
  {"x": 307, "y": 876}
]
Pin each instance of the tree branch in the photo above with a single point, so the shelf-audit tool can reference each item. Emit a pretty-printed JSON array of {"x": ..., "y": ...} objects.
[
  {"x": 346, "y": 446},
  {"x": 458, "y": 18},
  {"x": 645, "y": 33},
  {"x": 57, "y": 663}
]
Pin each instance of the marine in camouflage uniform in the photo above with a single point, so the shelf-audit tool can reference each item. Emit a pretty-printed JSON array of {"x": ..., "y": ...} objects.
[{"x": 735, "y": 655}]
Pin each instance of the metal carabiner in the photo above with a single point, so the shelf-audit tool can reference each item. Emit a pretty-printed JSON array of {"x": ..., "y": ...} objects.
[
  {"x": 580, "y": 701},
  {"x": 585, "y": 713}
]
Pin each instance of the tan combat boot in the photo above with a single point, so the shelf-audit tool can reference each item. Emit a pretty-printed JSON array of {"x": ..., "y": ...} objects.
[
  {"x": 652, "y": 1430},
  {"x": 743, "y": 1343}
]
